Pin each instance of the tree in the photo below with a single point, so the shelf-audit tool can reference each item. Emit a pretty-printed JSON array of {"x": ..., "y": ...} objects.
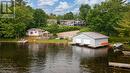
[
  {"x": 124, "y": 24},
  {"x": 68, "y": 16},
  {"x": 7, "y": 30},
  {"x": 40, "y": 18},
  {"x": 16, "y": 27},
  {"x": 20, "y": 2},
  {"x": 84, "y": 10},
  {"x": 52, "y": 16},
  {"x": 23, "y": 14},
  {"x": 105, "y": 17},
  {"x": 60, "y": 17},
  {"x": 20, "y": 29}
]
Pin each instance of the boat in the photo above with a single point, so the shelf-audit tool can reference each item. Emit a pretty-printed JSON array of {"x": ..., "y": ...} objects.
[
  {"x": 118, "y": 47},
  {"x": 22, "y": 41}
]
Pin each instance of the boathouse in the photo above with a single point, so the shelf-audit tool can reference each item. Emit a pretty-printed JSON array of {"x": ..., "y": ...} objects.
[{"x": 91, "y": 39}]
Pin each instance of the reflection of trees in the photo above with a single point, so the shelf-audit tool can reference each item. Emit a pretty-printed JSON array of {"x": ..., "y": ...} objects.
[
  {"x": 13, "y": 59},
  {"x": 53, "y": 50},
  {"x": 33, "y": 57},
  {"x": 37, "y": 53},
  {"x": 58, "y": 58},
  {"x": 84, "y": 52},
  {"x": 92, "y": 60},
  {"x": 95, "y": 65}
]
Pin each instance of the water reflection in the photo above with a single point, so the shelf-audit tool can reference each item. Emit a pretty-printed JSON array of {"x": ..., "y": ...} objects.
[
  {"x": 85, "y": 52},
  {"x": 52, "y": 58},
  {"x": 92, "y": 60},
  {"x": 13, "y": 59}
]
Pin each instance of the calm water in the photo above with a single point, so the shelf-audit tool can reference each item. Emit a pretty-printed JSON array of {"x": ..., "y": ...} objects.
[{"x": 51, "y": 58}]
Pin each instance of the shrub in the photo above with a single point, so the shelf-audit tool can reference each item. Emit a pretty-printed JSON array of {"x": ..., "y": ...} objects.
[
  {"x": 119, "y": 39},
  {"x": 86, "y": 29},
  {"x": 57, "y": 29}
]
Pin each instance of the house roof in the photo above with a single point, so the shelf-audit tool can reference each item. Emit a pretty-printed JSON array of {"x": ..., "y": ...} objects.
[
  {"x": 36, "y": 29},
  {"x": 70, "y": 20},
  {"x": 94, "y": 35}
]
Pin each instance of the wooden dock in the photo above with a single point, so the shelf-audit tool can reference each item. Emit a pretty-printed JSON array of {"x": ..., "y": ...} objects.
[
  {"x": 86, "y": 45},
  {"x": 121, "y": 65},
  {"x": 126, "y": 53},
  {"x": 71, "y": 43}
]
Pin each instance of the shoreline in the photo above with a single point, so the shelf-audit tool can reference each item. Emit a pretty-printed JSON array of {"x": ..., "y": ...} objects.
[{"x": 50, "y": 41}]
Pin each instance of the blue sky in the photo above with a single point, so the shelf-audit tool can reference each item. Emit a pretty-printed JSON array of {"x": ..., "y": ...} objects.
[{"x": 61, "y": 6}]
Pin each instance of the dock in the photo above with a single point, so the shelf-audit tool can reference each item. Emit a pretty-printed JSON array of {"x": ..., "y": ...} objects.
[
  {"x": 71, "y": 43},
  {"x": 23, "y": 41},
  {"x": 126, "y": 53},
  {"x": 121, "y": 65},
  {"x": 87, "y": 45}
]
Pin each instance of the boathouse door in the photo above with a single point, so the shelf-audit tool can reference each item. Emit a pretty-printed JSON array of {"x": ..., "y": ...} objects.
[
  {"x": 78, "y": 41},
  {"x": 85, "y": 41}
]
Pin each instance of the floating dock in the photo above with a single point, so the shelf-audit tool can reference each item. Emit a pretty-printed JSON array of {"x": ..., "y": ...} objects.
[
  {"x": 23, "y": 41},
  {"x": 126, "y": 53},
  {"x": 86, "y": 45},
  {"x": 121, "y": 65}
]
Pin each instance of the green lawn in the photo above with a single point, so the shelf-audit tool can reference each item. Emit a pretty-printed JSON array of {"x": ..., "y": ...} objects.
[
  {"x": 52, "y": 41},
  {"x": 121, "y": 40},
  {"x": 8, "y": 40},
  {"x": 38, "y": 41}
]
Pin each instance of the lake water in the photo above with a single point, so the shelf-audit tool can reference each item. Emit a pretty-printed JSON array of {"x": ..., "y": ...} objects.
[{"x": 52, "y": 58}]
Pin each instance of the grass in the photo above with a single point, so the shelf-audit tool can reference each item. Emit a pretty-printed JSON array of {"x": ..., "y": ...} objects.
[
  {"x": 121, "y": 40},
  {"x": 8, "y": 40},
  {"x": 37, "y": 41},
  {"x": 52, "y": 41},
  {"x": 127, "y": 47}
]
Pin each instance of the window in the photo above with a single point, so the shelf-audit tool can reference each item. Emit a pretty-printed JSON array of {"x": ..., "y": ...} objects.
[{"x": 31, "y": 32}]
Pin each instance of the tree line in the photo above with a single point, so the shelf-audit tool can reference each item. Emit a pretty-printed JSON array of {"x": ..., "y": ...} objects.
[
  {"x": 25, "y": 17},
  {"x": 111, "y": 17}
]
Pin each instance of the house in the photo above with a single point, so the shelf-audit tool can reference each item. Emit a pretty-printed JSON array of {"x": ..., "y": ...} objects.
[
  {"x": 91, "y": 39},
  {"x": 67, "y": 35},
  {"x": 71, "y": 22},
  {"x": 36, "y": 33}
]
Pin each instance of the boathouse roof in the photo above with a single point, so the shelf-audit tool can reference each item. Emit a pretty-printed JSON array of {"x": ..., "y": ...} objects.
[{"x": 95, "y": 35}]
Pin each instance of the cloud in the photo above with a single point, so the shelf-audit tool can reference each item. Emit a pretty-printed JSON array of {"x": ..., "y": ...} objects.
[
  {"x": 90, "y": 2},
  {"x": 76, "y": 10},
  {"x": 61, "y": 7},
  {"x": 47, "y": 2},
  {"x": 5, "y": 0},
  {"x": 29, "y": 2}
]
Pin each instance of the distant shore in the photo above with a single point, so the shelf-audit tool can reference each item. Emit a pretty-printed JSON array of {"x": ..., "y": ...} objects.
[{"x": 112, "y": 40}]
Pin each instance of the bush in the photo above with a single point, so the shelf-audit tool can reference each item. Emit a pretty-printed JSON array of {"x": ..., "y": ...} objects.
[
  {"x": 119, "y": 39},
  {"x": 86, "y": 29},
  {"x": 68, "y": 28},
  {"x": 57, "y": 29}
]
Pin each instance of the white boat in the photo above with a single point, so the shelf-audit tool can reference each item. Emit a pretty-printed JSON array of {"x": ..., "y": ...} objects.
[{"x": 23, "y": 41}]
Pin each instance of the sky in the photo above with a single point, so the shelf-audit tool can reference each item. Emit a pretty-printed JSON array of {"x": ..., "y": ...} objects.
[{"x": 61, "y": 6}]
